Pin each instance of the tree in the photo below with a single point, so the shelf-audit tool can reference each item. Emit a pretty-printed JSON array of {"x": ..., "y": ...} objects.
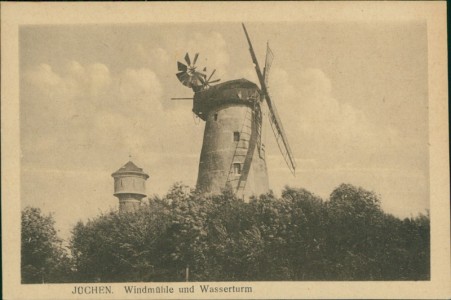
[
  {"x": 186, "y": 236},
  {"x": 234, "y": 242},
  {"x": 306, "y": 229},
  {"x": 119, "y": 247},
  {"x": 355, "y": 233},
  {"x": 43, "y": 258},
  {"x": 297, "y": 236}
]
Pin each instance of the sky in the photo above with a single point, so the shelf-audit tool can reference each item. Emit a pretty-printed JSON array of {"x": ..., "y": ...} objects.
[{"x": 352, "y": 96}]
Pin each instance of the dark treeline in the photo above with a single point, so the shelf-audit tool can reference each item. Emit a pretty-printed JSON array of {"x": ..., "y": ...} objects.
[{"x": 221, "y": 238}]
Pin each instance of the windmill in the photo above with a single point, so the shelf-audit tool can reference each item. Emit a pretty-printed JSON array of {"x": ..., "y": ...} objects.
[{"x": 233, "y": 153}]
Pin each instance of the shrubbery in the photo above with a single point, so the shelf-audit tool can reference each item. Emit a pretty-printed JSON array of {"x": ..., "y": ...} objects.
[{"x": 221, "y": 238}]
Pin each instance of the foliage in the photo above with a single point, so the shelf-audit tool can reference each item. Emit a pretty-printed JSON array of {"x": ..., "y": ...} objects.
[
  {"x": 43, "y": 258},
  {"x": 297, "y": 236},
  {"x": 117, "y": 247}
]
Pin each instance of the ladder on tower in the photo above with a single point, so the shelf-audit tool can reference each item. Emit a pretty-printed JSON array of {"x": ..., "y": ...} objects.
[
  {"x": 251, "y": 138},
  {"x": 259, "y": 127}
]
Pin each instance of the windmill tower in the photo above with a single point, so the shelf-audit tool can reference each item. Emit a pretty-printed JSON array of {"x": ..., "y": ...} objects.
[
  {"x": 129, "y": 186},
  {"x": 233, "y": 153}
]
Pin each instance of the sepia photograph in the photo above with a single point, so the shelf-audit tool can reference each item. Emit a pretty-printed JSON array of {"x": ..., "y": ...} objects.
[{"x": 222, "y": 158}]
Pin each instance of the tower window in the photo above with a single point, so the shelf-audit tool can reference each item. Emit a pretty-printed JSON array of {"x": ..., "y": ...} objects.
[
  {"x": 216, "y": 116},
  {"x": 237, "y": 168},
  {"x": 236, "y": 136}
]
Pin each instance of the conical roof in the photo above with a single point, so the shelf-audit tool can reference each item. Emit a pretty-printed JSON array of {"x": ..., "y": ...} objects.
[{"x": 130, "y": 168}]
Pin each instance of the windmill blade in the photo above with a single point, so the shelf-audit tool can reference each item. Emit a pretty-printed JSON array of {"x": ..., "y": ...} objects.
[
  {"x": 279, "y": 133},
  {"x": 254, "y": 60},
  {"x": 196, "y": 79},
  {"x": 188, "y": 61},
  {"x": 268, "y": 62},
  {"x": 211, "y": 75},
  {"x": 275, "y": 121},
  {"x": 195, "y": 58},
  {"x": 202, "y": 78},
  {"x": 184, "y": 78},
  {"x": 207, "y": 82},
  {"x": 182, "y": 67}
]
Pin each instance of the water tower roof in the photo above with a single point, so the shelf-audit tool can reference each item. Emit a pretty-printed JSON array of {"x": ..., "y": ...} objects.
[{"x": 130, "y": 168}]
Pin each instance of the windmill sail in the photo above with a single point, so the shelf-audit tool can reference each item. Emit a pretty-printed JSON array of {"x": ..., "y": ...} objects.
[
  {"x": 268, "y": 63},
  {"x": 281, "y": 138},
  {"x": 275, "y": 121}
]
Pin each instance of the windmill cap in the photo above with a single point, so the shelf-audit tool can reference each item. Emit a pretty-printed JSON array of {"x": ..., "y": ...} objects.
[
  {"x": 237, "y": 83},
  {"x": 130, "y": 169},
  {"x": 239, "y": 91}
]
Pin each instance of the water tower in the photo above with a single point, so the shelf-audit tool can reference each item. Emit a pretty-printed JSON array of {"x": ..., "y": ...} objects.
[{"x": 129, "y": 186}]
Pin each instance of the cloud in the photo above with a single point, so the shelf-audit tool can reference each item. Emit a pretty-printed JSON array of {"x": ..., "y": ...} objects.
[
  {"x": 42, "y": 77},
  {"x": 161, "y": 55},
  {"x": 73, "y": 91},
  {"x": 212, "y": 49},
  {"x": 320, "y": 126},
  {"x": 140, "y": 91},
  {"x": 84, "y": 107},
  {"x": 149, "y": 55},
  {"x": 86, "y": 114},
  {"x": 335, "y": 142},
  {"x": 94, "y": 77}
]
